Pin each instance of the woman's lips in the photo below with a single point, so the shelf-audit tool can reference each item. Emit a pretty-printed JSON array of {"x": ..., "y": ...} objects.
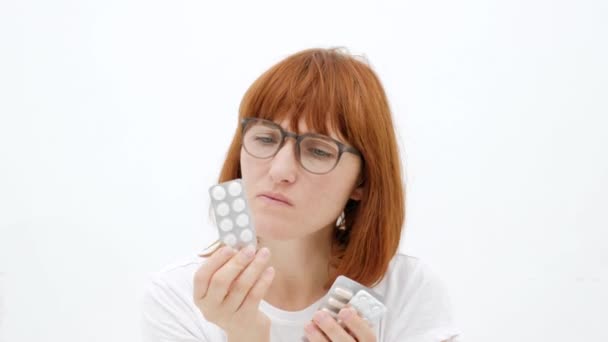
[{"x": 274, "y": 199}]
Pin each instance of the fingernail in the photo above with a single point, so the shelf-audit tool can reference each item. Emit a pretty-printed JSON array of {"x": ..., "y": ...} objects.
[
  {"x": 268, "y": 273},
  {"x": 248, "y": 252},
  {"x": 264, "y": 253}
]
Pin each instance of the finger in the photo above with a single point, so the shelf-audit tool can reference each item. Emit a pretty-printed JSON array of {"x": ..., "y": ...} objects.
[
  {"x": 314, "y": 334},
  {"x": 205, "y": 272},
  {"x": 251, "y": 302},
  {"x": 331, "y": 328},
  {"x": 357, "y": 326},
  {"x": 221, "y": 280},
  {"x": 245, "y": 282}
]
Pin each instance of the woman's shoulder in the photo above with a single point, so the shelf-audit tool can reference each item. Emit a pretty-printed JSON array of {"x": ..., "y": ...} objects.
[
  {"x": 167, "y": 307},
  {"x": 417, "y": 300},
  {"x": 177, "y": 274},
  {"x": 406, "y": 265},
  {"x": 407, "y": 275}
]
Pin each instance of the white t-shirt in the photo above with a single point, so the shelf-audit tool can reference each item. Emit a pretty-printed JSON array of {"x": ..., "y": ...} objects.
[{"x": 417, "y": 302}]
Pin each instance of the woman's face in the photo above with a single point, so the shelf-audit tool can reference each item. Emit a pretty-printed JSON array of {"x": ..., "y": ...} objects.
[{"x": 310, "y": 202}]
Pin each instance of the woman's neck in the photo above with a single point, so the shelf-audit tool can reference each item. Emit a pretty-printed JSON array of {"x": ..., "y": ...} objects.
[{"x": 302, "y": 270}]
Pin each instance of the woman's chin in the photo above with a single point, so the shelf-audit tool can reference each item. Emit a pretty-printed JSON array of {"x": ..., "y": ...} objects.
[
  {"x": 273, "y": 235},
  {"x": 274, "y": 231}
]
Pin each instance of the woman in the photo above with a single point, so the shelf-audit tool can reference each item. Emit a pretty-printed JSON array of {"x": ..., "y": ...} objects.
[{"x": 317, "y": 153}]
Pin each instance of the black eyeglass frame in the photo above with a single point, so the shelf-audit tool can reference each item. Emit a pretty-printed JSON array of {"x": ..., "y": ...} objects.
[{"x": 298, "y": 137}]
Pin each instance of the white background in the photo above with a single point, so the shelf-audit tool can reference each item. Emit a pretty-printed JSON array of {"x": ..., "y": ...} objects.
[{"x": 116, "y": 115}]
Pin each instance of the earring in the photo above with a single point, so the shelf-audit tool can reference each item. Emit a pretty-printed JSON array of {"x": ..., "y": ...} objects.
[{"x": 341, "y": 222}]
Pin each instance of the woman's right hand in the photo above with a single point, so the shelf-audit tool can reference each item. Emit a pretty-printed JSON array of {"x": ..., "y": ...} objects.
[{"x": 228, "y": 289}]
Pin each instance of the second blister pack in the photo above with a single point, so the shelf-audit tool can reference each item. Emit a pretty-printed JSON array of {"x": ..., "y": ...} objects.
[{"x": 347, "y": 292}]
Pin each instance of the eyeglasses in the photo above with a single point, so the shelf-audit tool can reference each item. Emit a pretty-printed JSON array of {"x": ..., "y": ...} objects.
[{"x": 318, "y": 154}]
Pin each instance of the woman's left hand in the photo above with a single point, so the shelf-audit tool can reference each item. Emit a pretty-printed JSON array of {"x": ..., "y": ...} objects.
[{"x": 325, "y": 328}]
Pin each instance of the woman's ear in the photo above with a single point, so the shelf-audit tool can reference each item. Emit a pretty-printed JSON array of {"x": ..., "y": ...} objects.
[{"x": 357, "y": 192}]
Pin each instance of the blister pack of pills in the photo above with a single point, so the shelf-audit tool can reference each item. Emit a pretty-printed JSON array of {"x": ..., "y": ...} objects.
[
  {"x": 232, "y": 215},
  {"x": 345, "y": 292}
]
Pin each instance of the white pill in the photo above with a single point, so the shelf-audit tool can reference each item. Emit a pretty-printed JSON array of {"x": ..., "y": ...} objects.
[
  {"x": 367, "y": 305},
  {"x": 335, "y": 303},
  {"x": 222, "y": 209},
  {"x": 238, "y": 205},
  {"x": 218, "y": 193},
  {"x": 235, "y": 189},
  {"x": 226, "y": 224},
  {"x": 331, "y": 312},
  {"x": 363, "y": 297},
  {"x": 242, "y": 220},
  {"x": 344, "y": 293},
  {"x": 246, "y": 235},
  {"x": 230, "y": 240}
]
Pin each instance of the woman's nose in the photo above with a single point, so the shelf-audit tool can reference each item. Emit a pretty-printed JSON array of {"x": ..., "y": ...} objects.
[{"x": 284, "y": 164}]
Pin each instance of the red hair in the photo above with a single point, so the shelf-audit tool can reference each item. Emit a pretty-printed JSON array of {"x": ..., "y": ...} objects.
[{"x": 332, "y": 90}]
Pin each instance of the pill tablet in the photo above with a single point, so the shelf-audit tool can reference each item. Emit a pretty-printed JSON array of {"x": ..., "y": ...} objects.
[
  {"x": 226, "y": 224},
  {"x": 368, "y": 306},
  {"x": 218, "y": 193},
  {"x": 246, "y": 235},
  {"x": 332, "y": 313},
  {"x": 222, "y": 209},
  {"x": 235, "y": 189},
  {"x": 344, "y": 293},
  {"x": 336, "y": 303},
  {"x": 242, "y": 220},
  {"x": 238, "y": 205}
]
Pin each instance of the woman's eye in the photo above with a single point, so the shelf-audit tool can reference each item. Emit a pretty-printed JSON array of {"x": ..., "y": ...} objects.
[
  {"x": 265, "y": 140},
  {"x": 320, "y": 153}
]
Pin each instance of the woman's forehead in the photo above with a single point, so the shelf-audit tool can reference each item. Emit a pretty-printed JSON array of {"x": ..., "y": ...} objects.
[{"x": 301, "y": 127}]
